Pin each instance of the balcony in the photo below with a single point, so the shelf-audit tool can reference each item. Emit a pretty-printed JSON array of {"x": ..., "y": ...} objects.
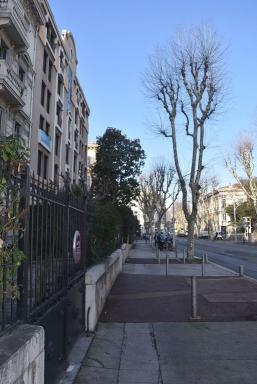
[
  {"x": 14, "y": 22},
  {"x": 44, "y": 140},
  {"x": 11, "y": 87}
]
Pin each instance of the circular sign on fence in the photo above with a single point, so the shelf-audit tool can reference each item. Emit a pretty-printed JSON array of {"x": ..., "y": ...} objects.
[{"x": 76, "y": 247}]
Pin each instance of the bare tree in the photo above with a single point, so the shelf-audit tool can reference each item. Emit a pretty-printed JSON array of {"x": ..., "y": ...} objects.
[
  {"x": 242, "y": 167},
  {"x": 159, "y": 191},
  {"x": 185, "y": 79},
  {"x": 146, "y": 201},
  {"x": 165, "y": 188}
]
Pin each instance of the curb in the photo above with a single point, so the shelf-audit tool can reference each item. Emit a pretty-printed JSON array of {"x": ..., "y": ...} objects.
[{"x": 224, "y": 268}]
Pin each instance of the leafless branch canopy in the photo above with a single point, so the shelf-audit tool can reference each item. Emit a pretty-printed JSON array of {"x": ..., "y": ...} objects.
[
  {"x": 159, "y": 191},
  {"x": 185, "y": 79},
  {"x": 242, "y": 167}
]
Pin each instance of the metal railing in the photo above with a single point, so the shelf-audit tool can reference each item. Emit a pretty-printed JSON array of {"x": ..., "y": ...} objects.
[{"x": 50, "y": 216}]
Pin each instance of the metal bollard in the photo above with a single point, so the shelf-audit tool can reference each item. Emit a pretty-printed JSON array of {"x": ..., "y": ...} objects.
[
  {"x": 206, "y": 258},
  {"x": 203, "y": 265},
  {"x": 193, "y": 300},
  {"x": 167, "y": 264},
  {"x": 184, "y": 256},
  {"x": 241, "y": 271}
]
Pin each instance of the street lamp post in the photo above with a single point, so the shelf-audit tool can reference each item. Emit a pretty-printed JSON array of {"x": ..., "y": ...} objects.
[
  {"x": 173, "y": 225},
  {"x": 235, "y": 232}
]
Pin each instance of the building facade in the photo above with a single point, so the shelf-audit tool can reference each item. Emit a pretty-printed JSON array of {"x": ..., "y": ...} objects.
[
  {"x": 212, "y": 216},
  {"x": 41, "y": 100},
  {"x": 19, "y": 21},
  {"x": 91, "y": 159}
]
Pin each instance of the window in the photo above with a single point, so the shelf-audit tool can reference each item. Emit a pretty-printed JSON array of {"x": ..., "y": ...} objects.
[
  {"x": 69, "y": 128},
  {"x": 48, "y": 101},
  {"x": 45, "y": 61},
  {"x": 223, "y": 203},
  {"x": 67, "y": 154},
  {"x": 50, "y": 36},
  {"x": 3, "y": 50},
  {"x": 59, "y": 114},
  {"x": 76, "y": 116},
  {"x": 1, "y": 118},
  {"x": 45, "y": 166},
  {"x": 76, "y": 138},
  {"x": 41, "y": 123},
  {"x": 50, "y": 71},
  {"x": 39, "y": 163},
  {"x": 56, "y": 172},
  {"x": 43, "y": 89},
  {"x": 47, "y": 128},
  {"x": 59, "y": 88},
  {"x": 81, "y": 127},
  {"x": 75, "y": 163},
  {"x": 61, "y": 59},
  {"x": 57, "y": 142},
  {"x": 21, "y": 73},
  {"x": 17, "y": 129}
]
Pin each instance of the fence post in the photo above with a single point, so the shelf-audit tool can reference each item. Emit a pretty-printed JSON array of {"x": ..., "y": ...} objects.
[
  {"x": 23, "y": 244},
  {"x": 241, "y": 271},
  {"x": 206, "y": 257},
  {"x": 203, "y": 265},
  {"x": 167, "y": 264},
  {"x": 193, "y": 300},
  {"x": 184, "y": 256}
]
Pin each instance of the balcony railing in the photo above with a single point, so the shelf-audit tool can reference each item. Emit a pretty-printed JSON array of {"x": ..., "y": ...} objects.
[
  {"x": 13, "y": 20},
  {"x": 11, "y": 85}
]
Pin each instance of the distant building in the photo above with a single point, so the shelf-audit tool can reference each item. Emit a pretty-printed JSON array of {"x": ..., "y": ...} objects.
[
  {"x": 212, "y": 216},
  {"x": 180, "y": 220},
  {"x": 91, "y": 159}
]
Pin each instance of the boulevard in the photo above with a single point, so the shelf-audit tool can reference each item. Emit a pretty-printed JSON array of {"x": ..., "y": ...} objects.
[{"x": 227, "y": 254}]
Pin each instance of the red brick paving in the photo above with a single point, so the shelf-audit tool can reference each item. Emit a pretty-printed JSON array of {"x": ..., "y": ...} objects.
[{"x": 173, "y": 303}]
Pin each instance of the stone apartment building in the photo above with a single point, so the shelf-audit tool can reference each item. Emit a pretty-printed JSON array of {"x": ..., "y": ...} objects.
[
  {"x": 41, "y": 100},
  {"x": 212, "y": 216},
  {"x": 18, "y": 38}
]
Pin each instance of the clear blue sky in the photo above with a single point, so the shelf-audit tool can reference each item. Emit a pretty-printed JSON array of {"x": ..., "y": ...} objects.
[{"x": 114, "y": 39}]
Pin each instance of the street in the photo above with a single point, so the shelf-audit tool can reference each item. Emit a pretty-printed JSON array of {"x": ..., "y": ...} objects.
[{"x": 227, "y": 254}]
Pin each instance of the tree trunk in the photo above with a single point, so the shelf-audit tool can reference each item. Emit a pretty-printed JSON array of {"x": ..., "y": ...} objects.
[
  {"x": 158, "y": 225},
  {"x": 190, "y": 239}
]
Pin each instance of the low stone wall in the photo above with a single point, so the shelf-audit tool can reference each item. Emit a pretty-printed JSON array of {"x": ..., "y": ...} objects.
[
  {"x": 99, "y": 280},
  {"x": 22, "y": 356},
  {"x": 125, "y": 251}
]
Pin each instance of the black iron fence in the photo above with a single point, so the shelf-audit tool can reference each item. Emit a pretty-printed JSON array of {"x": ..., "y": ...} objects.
[
  {"x": 52, "y": 237},
  {"x": 10, "y": 257}
]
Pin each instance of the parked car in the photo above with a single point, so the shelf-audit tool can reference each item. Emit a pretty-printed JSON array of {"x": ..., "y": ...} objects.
[
  {"x": 203, "y": 235},
  {"x": 218, "y": 236}
]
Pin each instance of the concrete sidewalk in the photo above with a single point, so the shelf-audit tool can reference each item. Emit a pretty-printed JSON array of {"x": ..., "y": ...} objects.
[
  {"x": 145, "y": 337},
  {"x": 170, "y": 353},
  {"x": 146, "y": 264}
]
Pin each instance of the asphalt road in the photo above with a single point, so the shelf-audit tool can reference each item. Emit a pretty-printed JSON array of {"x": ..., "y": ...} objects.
[{"x": 227, "y": 254}]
